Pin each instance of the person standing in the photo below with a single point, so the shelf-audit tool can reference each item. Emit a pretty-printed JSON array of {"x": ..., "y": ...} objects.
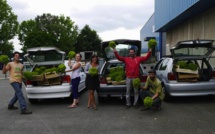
[
  {"x": 132, "y": 65},
  {"x": 75, "y": 78},
  {"x": 92, "y": 82},
  {"x": 153, "y": 89},
  {"x": 15, "y": 69}
]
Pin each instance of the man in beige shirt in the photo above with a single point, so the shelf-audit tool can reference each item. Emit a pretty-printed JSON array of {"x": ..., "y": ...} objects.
[{"x": 15, "y": 69}]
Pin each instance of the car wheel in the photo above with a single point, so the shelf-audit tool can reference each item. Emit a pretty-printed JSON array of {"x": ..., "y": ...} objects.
[
  {"x": 101, "y": 99},
  {"x": 167, "y": 97},
  {"x": 33, "y": 101}
]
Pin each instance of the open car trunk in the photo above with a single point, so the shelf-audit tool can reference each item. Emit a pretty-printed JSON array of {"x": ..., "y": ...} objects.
[
  {"x": 203, "y": 71},
  {"x": 45, "y": 61},
  {"x": 191, "y": 60}
]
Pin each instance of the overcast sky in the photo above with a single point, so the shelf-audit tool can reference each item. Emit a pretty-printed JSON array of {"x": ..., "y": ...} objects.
[{"x": 112, "y": 19}]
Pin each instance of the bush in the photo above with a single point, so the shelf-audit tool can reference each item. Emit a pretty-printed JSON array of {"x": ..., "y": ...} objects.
[
  {"x": 152, "y": 43},
  {"x": 4, "y": 59},
  {"x": 71, "y": 54},
  {"x": 148, "y": 101}
]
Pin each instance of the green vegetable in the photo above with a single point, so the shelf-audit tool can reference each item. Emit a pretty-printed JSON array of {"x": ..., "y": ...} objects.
[
  {"x": 185, "y": 65},
  {"x": 136, "y": 83},
  {"x": 112, "y": 44},
  {"x": 4, "y": 59},
  {"x": 61, "y": 68},
  {"x": 117, "y": 74},
  {"x": 152, "y": 43},
  {"x": 40, "y": 70},
  {"x": 192, "y": 66},
  {"x": 182, "y": 64},
  {"x": 148, "y": 101},
  {"x": 71, "y": 54},
  {"x": 93, "y": 71},
  {"x": 28, "y": 75}
]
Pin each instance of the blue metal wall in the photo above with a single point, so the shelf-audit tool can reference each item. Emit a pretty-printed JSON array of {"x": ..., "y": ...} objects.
[
  {"x": 148, "y": 31},
  {"x": 167, "y": 10}
]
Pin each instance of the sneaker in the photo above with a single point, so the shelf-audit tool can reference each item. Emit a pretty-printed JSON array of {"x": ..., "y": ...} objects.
[
  {"x": 12, "y": 107},
  {"x": 26, "y": 112},
  {"x": 145, "y": 108},
  {"x": 128, "y": 106}
]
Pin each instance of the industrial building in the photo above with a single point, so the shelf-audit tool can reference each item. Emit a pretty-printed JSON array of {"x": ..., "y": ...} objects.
[{"x": 177, "y": 20}]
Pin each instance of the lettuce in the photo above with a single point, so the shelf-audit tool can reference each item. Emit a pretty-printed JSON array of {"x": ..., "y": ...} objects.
[
  {"x": 152, "y": 43},
  {"x": 71, "y": 54},
  {"x": 4, "y": 59},
  {"x": 112, "y": 44},
  {"x": 93, "y": 71},
  {"x": 61, "y": 68},
  {"x": 136, "y": 83},
  {"x": 148, "y": 101}
]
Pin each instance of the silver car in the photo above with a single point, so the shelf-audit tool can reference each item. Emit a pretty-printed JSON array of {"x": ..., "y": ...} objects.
[
  {"x": 108, "y": 88},
  {"x": 185, "y": 82}
]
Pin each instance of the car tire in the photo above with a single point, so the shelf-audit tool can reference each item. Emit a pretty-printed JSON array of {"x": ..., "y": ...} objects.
[
  {"x": 167, "y": 97},
  {"x": 33, "y": 101}
]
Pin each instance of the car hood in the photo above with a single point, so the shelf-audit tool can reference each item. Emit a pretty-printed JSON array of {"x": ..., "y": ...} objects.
[
  {"x": 122, "y": 47},
  {"x": 45, "y": 56},
  {"x": 193, "y": 48}
]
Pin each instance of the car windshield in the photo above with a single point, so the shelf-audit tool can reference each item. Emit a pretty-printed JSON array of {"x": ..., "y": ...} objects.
[
  {"x": 122, "y": 49},
  {"x": 197, "y": 51}
]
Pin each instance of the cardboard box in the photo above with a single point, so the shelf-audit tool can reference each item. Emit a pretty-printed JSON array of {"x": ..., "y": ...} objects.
[
  {"x": 43, "y": 83},
  {"x": 187, "y": 76},
  {"x": 51, "y": 75},
  {"x": 180, "y": 70},
  {"x": 55, "y": 81},
  {"x": 38, "y": 77}
]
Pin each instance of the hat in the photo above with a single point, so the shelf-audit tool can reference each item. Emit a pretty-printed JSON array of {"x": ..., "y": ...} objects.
[{"x": 152, "y": 71}]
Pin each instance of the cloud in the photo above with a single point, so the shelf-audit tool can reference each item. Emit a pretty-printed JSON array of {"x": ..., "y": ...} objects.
[{"x": 110, "y": 18}]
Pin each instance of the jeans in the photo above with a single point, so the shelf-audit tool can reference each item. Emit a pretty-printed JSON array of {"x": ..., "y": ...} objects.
[
  {"x": 147, "y": 93},
  {"x": 75, "y": 82},
  {"x": 129, "y": 86},
  {"x": 18, "y": 95}
]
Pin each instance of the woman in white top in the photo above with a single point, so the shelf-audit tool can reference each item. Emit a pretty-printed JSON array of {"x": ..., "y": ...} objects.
[{"x": 75, "y": 76}]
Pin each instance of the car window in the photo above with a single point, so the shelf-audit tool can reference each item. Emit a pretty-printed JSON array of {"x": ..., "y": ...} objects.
[
  {"x": 164, "y": 64},
  {"x": 158, "y": 64},
  {"x": 122, "y": 49}
]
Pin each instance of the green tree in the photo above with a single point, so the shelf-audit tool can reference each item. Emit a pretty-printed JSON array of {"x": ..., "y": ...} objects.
[
  {"x": 88, "y": 40},
  {"x": 8, "y": 27},
  {"x": 49, "y": 30}
]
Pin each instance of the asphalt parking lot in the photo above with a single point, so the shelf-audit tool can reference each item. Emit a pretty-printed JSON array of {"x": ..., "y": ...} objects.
[{"x": 193, "y": 115}]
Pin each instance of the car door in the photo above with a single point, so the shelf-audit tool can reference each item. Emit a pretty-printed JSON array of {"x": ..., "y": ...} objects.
[
  {"x": 162, "y": 68},
  {"x": 82, "y": 81}
]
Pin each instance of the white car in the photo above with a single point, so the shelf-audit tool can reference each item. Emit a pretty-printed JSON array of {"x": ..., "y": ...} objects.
[{"x": 49, "y": 57}]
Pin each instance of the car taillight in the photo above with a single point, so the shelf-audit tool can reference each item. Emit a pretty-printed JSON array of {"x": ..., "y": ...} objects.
[
  {"x": 66, "y": 79},
  {"x": 103, "y": 80},
  {"x": 213, "y": 74},
  {"x": 171, "y": 76},
  {"x": 143, "y": 78},
  {"x": 28, "y": 82}
]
